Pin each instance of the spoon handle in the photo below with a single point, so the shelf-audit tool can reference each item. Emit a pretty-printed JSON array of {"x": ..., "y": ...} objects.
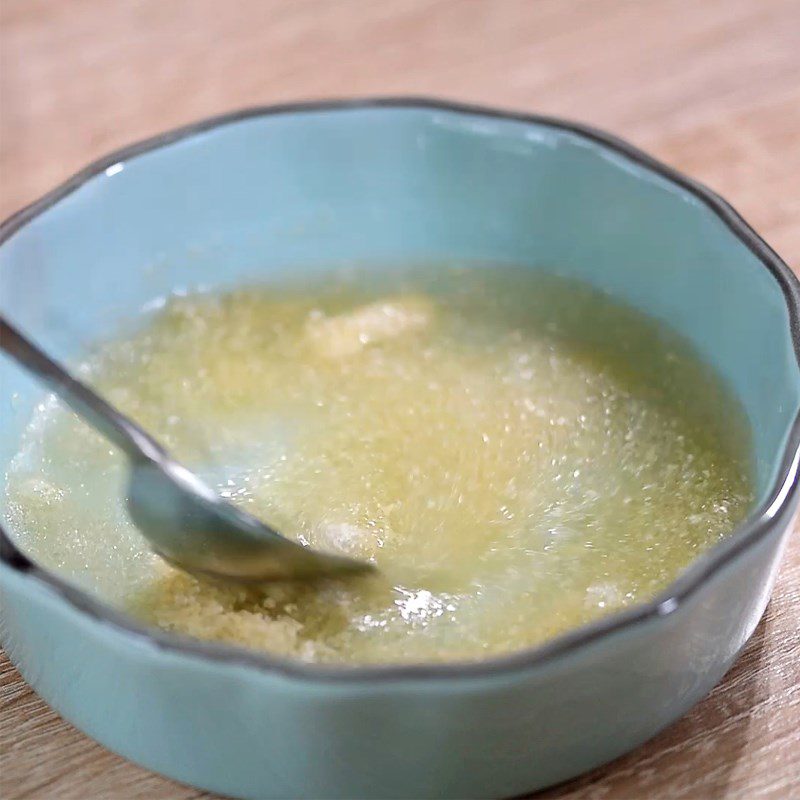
[{"x": 88, "y": 405}]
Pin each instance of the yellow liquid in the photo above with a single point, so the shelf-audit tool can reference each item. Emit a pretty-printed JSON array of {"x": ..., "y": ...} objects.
[{"x": 516, "y": 453}]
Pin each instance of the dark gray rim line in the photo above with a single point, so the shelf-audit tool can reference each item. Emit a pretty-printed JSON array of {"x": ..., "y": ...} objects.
[{"x": 774, "y": 511}]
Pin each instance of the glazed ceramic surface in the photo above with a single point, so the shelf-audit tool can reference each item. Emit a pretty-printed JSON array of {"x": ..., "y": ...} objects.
[{"x": 305, "y": 189}]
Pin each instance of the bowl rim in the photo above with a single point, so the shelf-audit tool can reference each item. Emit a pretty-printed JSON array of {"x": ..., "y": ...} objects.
[{"x": 774, "y": 510}]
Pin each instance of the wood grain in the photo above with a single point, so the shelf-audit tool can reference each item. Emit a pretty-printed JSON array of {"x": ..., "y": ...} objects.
[{"x": 712, "y": 87}]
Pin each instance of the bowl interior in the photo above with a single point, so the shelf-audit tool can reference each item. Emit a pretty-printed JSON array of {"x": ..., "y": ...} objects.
[{"x": 314, "y": 189}]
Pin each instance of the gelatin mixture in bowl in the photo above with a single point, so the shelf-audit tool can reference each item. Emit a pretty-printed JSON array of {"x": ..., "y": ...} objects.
[{"x": 518, "y": 454}]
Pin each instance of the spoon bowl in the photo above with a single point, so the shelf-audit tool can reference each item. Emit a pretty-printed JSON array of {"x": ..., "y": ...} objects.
[{"x": 185, "y": 521}]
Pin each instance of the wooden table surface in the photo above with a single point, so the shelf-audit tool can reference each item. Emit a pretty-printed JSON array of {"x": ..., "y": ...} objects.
[{"x": 712, "y": 87}]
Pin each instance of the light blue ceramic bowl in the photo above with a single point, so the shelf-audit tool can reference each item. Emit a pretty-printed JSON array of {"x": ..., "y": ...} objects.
[{"x": 314, "y": 186}]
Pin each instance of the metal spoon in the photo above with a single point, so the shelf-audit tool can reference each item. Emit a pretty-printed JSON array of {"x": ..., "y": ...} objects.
[{"x": 185, "y": 521}]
